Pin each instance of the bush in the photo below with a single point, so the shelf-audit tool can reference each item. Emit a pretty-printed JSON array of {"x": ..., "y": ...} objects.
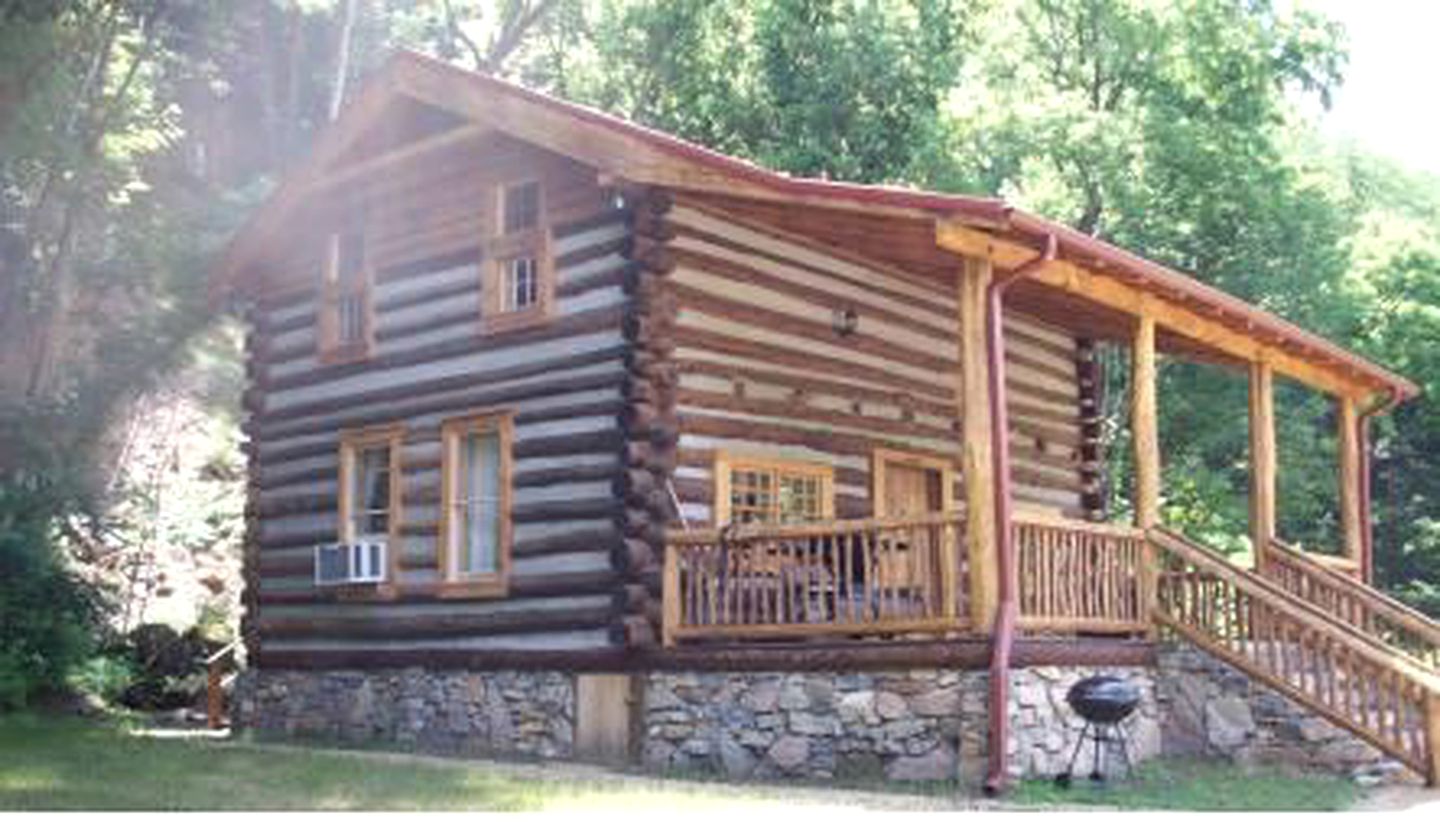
[
  {"x": 46, "y": 615},
  {"x": 169, "y": 668},
  {"x": 105, "y": 676}
]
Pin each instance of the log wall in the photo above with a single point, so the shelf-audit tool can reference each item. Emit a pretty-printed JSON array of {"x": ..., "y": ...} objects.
[
  {"x": 763, "y": 370},
  {"x": 564, "y": 380}
]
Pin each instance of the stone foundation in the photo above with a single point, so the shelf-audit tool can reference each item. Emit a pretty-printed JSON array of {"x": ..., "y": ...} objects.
[
  {"x": 1211, "y": 709},
  {"x": 480, "y": 712},
  {"x": 906, "y": 725},
  {"x": 899, "y": 725}
]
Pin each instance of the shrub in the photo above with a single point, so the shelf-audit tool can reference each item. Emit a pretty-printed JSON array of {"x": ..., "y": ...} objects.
[
  {"x": 169, "y": 667},
  {"x": 46, "y": 615}
]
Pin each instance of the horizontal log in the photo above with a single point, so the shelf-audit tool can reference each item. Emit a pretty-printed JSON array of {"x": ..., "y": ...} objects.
[
  {"x": 811, "y": 362},
  {"x": 599, "y": 659},
  {"x": 520, "y": 587},
  {"x": 568, "y": 542},
  {"x": 965, "y": 654},
  {"x": 805, "y": 330},
  {"x": 584, "y": 322},
  {"x": 343, "y": 414},
  {"x": 457, "y": 382},
  {"x": 560, "y": 510},
  {"x": 389, "y": 626},
  {"x": 823, "y": 300}
]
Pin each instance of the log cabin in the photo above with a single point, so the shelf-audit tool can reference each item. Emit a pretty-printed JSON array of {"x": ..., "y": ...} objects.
[{"x": 570, "y": 438}]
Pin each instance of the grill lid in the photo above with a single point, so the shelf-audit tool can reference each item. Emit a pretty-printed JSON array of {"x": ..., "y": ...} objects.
[{"x": 1103, "y": 699}]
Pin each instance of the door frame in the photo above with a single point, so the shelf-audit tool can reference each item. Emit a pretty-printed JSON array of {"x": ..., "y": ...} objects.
[{"x": 881, "y": 458}]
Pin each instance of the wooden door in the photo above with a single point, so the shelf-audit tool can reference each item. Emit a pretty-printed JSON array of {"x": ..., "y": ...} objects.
[{"x": 910, "y": 489}]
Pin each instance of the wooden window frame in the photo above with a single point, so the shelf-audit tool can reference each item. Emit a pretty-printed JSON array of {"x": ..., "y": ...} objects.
[
  {"x": 881, "y": 458},
  {"x": 332, "y": 291},
  {"x": 352, "y": 441},
  {"x": 501, "y": 247},
  {"x": 491, "y": 585},
  {"x": 727, "y": 462}
]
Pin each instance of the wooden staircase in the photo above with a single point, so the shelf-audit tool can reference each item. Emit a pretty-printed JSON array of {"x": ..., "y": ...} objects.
[{"x": 1326, "y": 641}]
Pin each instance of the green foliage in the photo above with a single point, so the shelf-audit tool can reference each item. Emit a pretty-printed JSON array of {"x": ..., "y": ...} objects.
[{"x": 46, "y": 615}]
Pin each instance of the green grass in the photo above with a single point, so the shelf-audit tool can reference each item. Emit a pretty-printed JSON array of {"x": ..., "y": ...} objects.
[
  {"x": 50, "y": 763},
  {"x": 1198, "y": 785}
]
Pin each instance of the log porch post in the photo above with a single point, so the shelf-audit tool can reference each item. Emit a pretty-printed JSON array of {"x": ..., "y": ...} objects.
[
  {"x": 1146, "y": 433},
  {"x": 976, "y": 457},
  {"x": 1262, "y": 459},
  {"x": 1351, "y": 476}
]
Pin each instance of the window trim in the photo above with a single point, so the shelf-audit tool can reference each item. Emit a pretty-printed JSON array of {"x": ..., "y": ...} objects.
[
  {"x": 490, "y": 585},
  {"x": 332, "y": 291},
  {"x": 881, "y": 458},
  {"x": 352, "y": 441},
  {"x": 501, "y": 247},
  {"x": 728, "y": 461}
]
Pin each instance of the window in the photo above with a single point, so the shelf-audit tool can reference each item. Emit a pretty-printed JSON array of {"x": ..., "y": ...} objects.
[
  {"x": 519, "y": 284},
  {"x": 345, "y": 298},
  {"x": 519, "y": 275},
  {"x": 370, "y": 487},
  {"x": 475, "y": 499},
  {"x": 772, "y": 491}
]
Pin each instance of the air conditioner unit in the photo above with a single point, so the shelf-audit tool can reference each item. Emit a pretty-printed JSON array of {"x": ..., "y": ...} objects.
[{"x": 350, "y": 563}]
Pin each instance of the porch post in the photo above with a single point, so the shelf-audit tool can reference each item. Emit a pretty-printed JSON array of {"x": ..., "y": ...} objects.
[
  {"x": 1352, "y": 529},
  {"x": 1145, "y": 431},
  {"x": 1262, "y": 459},
  {"x": 973, "y": 407}
]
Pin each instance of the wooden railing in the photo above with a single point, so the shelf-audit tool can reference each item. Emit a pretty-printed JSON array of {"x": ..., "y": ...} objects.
[
  {"x": 1344, "y": 597},
  {"x": 1081, "y": 577},
  {"x": 1288, "y": 644},
  {"x": 880, "y": 576},
  {"x": 218, "y": 666}
]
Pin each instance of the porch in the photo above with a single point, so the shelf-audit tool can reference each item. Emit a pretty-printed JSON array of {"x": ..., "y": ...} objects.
[{"x": 904, "y": 577}]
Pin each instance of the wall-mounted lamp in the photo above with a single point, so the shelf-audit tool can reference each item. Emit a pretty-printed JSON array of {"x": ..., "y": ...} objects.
[{"x": 845, "y": 321}]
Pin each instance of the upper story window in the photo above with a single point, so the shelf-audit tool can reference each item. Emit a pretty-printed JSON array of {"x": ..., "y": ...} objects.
[
  {"x": 757, "y": 490},
  {"x": 475, "y": 519},
  {"x": 519, "y": 273},
  {"x": 345, "y": 308}
]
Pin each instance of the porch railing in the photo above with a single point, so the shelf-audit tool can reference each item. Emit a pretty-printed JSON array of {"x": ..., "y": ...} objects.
[
  {"x": 848, "y": 577},
  {"x": 1081, "y": 577},
  {"x": 1341, "y": 595}
]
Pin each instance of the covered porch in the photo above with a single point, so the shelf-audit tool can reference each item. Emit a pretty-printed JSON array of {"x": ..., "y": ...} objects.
[{"x": 955, "y": 573}]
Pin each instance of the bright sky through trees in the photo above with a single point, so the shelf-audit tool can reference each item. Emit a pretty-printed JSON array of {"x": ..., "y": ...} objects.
[{"x": 1389, "y": 101}]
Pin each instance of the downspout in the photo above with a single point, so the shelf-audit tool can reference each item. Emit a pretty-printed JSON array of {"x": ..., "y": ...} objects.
[
  {"x": 1367, "y": 531},
  {"x": 1003, "y": 638}
]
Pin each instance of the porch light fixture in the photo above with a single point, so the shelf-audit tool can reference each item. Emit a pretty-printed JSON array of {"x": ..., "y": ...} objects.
[{"x": 844, "y": 321}]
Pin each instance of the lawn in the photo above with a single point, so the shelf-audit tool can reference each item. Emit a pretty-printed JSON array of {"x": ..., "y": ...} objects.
[
  {"x": 1199, "y": 786},
  {"x": 49, "y": 763}
]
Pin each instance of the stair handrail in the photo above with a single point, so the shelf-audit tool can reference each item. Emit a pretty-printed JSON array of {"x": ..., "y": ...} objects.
[
  {"x": 1375, "y": 650},
  {"x": 1410, "y": 681},
  {"x": 1387, "y": 607}
]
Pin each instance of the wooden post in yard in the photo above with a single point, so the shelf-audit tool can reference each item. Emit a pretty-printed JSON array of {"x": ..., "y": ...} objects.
[
  {"x": 973, "y": 406},
  {"x": 1262, "y": 459},
  {"x": 1146, "y": 432},
  {"x": 1351, "y": 527}
]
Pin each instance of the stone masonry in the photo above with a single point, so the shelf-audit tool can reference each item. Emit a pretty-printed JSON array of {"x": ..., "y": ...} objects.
[
  {"x": 903, "y": 725},
  {"x": 1212, "y": 709},
  {"x": 900, "y": 725},
  {"x": 465, "y": 712}
]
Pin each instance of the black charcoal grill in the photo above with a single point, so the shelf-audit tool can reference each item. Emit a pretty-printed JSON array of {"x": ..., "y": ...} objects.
[{"x": 1104, "y": 702}]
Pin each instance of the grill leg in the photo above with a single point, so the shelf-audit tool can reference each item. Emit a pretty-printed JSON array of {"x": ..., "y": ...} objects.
[
  {"x": 1097, "y": 775},
  {"x": 1063, "y": 779}
]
